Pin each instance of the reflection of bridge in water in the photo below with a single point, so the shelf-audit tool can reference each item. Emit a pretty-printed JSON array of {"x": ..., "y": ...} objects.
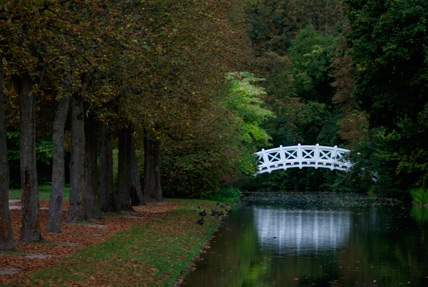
[
  {"x": 301, "y": 230},
  {"x": 302, "y": 156}
]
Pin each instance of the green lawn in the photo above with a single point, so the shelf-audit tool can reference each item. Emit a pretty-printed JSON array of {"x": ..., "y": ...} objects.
[
  {"x": 154, "y": 253},
  {"x": 44, "y": 192}
]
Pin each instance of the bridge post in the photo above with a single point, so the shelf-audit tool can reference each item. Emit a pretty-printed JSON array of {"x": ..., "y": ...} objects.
[
  {"x": 299, "y": 155},
  {"x": 266, "y": 160},
  {"x": 282, "y": 155},
  {"x": 317, "y": 155},
  {"x": 333, "y": 157}
]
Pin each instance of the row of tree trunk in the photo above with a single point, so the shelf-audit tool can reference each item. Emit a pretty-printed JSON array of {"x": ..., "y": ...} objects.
[{"x": 91, "y": 188}]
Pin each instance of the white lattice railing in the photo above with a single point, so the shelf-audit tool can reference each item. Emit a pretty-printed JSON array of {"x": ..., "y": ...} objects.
[{"x": 302, "y": 156}]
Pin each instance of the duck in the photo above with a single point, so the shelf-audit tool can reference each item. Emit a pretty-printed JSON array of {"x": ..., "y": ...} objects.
[{"x": 200, "y": 221}]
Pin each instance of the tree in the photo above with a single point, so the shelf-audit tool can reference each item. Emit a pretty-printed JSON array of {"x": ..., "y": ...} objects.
[
  {"x": 353, "y": 125},
  {"x": 244, "y": 101},
  {"x": 124, "y": 176},
  {"x": 129, "y": 191},
  {"x": 225, "y": 136},
  {"x": 30, "y": 225},
  {"x": 152, "y": 173},
  {"x": 275, "y": 23},
  {"x": 91, "y": 195},
  {"x": 137, "y": 197},
  {"x": 201, "y": 162},
  {"x": 309, "y": 65},
  {"x": 29, "y": 44},
  {"x": 185, "y": 54},
  {"x": 107, "y": 200},
  {"x": 300, "y": 92},
  {"x": 93, "y": 37},
  {"x": 88, "y": 54},
  {"x": 77, "y": 165},
  {"x": 6, "y": 233},
  {"x": 388, "y": 42},
  {"x": 58, "y": 166},
  {"x": 58, "y": 161}
]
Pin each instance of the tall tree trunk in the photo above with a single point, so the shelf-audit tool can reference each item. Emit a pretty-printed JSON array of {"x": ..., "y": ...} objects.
[
  {"x": 107, "y": 199},
  {"x": 58, "y": 169},
  {"x": 124, "y": 177},
  {"x": 77, "y": 175},
  {"x": 136, "y": 190},
  {"x": 6, "y": 233},
  {"x": 30, "y": 224},
  {"x": 92, "y": 207},
  {"x": 152, "y": 182}
]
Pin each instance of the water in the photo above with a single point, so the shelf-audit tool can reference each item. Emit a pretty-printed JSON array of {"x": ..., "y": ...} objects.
[{"x": 317, "y": 240}]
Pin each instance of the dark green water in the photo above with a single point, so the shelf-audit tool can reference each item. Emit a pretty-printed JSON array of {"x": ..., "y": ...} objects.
[{"x": 317, "y": 240}]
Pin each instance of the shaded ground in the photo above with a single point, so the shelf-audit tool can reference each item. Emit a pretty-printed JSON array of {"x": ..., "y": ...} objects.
[{"x": 55, "y": 247}]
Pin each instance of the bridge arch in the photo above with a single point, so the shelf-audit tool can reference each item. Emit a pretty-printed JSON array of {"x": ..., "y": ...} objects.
[{"x": 300, "y": 156}]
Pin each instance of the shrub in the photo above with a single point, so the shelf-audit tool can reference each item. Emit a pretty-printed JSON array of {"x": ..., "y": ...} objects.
[
  {"x": 420, "y": 195},
  {"x": 227, "y": 194}
]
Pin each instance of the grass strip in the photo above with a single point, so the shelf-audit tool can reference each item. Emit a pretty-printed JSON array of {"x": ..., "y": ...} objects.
[
  {"x": 155, "y": 253},
  {"x": 44, "y": 192}
]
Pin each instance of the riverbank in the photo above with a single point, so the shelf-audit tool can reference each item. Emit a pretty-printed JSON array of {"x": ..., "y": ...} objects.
[{"x": 153, "y": 246}]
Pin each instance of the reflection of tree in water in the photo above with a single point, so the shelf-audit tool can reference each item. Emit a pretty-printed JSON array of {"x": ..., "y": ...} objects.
[
  {"x": 301, "y": 230},
  {"x": 321, "y": 239},
  {"x": 419, "y": 214}
]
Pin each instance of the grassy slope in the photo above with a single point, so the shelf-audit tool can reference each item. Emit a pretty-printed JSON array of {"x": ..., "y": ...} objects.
[{"x": 148, "y": 254}]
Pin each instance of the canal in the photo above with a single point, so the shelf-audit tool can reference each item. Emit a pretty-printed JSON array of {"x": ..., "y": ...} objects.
[{"x": 300, "y": 239}]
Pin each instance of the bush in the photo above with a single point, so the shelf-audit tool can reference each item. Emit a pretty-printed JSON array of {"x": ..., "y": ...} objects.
[
  {"x": 227, "y": 194},
  {"x": 419, "y": 195}
]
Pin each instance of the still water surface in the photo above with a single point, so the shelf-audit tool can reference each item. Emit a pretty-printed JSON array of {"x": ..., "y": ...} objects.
[{"x": 316, "y": 240}]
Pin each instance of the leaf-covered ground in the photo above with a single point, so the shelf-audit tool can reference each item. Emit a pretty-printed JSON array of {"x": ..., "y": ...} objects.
[{"x": 150, "y": 247}]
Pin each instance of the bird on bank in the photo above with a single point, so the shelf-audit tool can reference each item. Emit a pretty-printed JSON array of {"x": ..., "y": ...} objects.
[
  {"x": 200, "y": 221},
  {"x": 224, "y": 206},
  {"x": 215, "y": 212}
]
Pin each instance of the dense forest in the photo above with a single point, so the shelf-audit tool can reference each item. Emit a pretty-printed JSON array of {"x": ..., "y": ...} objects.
[
  {"x": 351, "y": 73},
  {"x": 130, "y": 101}
]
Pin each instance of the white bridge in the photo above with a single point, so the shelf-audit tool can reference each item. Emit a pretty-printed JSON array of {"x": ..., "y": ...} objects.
[{"x": 302, "y": 156}]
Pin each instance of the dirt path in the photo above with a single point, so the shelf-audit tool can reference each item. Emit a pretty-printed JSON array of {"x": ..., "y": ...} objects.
[{"x": 55, "y": 247}]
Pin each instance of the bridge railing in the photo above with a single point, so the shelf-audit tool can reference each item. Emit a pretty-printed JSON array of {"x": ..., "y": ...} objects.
[{"x": 300, "y": 156}]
